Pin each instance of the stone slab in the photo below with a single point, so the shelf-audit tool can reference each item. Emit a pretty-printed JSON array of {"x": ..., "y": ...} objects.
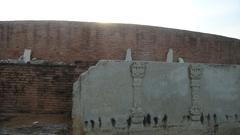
[
  {"x": 106, "y": 91},
  {"x": 27, "y": 55}
]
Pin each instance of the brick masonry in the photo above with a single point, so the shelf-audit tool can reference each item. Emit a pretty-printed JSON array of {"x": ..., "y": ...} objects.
[
  {"x": 72, "y": 41},
  {"x": 26, "y": 88},
  {"x": 38, "y": 89}
]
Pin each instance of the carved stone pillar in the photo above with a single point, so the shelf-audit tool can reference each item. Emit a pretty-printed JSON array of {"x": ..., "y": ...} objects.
[
  {"x": 195, "y": 74},
  {"x": 137, "y": 73}
]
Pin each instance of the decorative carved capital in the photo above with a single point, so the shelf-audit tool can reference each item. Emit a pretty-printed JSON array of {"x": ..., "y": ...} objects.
[
  {"x": 138, "y": 69},
  {"x": 195, "y": 71}
]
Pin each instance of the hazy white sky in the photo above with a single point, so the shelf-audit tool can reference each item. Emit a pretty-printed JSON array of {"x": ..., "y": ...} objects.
[{"x": 220, "y": 17}]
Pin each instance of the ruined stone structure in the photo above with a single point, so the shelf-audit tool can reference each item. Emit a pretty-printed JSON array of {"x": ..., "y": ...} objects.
[
  {"x": 40, "y": 61},
  {"x": 139, "y": 98}
]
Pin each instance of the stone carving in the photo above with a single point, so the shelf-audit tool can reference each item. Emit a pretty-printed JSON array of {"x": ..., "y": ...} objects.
[
  {"x": 122, "y": 97},
  {"x": 27, "y": 55},
  {"x": 137, "y": 73},
  {"x": 170, "y": 56},
  {"x": 180, "y": 60},
  {"x": 25, "y": 58},
  {"x": 138, "y": 70},
  {"x": 128, "y": 55},
  {"x": 195, "y": 73}
]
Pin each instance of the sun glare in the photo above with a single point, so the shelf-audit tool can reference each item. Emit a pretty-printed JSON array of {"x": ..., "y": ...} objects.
[{"x": 196, "y": 15}]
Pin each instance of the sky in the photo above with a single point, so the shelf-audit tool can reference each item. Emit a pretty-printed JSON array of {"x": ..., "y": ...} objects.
[{"x": 221, "y": 17}]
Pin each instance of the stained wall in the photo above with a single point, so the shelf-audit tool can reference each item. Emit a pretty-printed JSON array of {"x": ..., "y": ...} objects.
[{"x": 112, "y": 89}]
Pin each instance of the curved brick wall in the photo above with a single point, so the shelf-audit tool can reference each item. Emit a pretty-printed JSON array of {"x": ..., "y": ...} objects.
[{"x": 71, "y": 41}]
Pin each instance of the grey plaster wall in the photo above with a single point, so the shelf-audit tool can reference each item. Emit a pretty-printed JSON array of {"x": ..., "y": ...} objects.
[
  {"x": 220, "y": 90},
  {"x": 106, "y": 92}
]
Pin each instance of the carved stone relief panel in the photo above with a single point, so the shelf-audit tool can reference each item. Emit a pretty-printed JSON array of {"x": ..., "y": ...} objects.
[
  {"x": 139, "y": 97},
  {"x": 195, "y": 73}
]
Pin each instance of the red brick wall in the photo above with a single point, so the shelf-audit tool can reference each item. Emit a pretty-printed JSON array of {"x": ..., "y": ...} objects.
[
  {"x": 71, "y": 41},
  {"x": 26, "y": 88}
]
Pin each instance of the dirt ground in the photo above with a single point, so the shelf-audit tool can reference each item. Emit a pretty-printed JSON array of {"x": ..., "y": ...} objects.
[{"x": 29, "y": 124}]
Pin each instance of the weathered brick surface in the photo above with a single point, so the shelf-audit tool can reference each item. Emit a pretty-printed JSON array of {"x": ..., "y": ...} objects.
[
  {"x": 38, "y": 89},
  {"x": 71, "y": 41}
]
